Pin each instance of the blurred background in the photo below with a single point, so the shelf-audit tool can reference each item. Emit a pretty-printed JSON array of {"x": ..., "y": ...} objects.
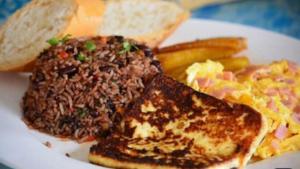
[{"x": 281, "y": 16}]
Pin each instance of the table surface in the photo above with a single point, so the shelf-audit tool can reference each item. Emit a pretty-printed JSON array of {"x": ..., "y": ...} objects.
[{"x": 281, "y": 16}]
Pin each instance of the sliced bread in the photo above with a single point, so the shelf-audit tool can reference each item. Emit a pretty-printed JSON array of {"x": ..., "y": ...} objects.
[
  {"x": 25, "y": 33},
  {"x": 23, "y": 37},
  {"x": 149, "y": 21}
]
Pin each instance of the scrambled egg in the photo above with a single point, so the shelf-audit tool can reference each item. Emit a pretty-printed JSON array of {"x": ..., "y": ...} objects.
[{"x": 273, "y": 90}]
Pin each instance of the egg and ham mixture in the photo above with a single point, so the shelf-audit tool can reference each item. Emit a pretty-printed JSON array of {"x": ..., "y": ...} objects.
[{"x": 273, "y": 90}]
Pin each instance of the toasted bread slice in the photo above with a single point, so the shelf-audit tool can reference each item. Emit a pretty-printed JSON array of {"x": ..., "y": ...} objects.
[
  {"x": 148, "y": 21},
  {"x": 25, "y": 33},
  {"x": 172, "y": 126}
]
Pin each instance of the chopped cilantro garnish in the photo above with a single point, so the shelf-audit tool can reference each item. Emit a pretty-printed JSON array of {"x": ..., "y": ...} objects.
[
  {"x": 81, "y": 57},
  {"x": 55, "y": 41},
  {"x": 90, "y": 46},
  {"x": 127, "y": 47},
  {"x": 65, "y": 38}
]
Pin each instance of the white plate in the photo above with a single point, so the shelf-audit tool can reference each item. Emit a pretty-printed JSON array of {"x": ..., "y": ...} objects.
[{"x": 21, "y": 147}]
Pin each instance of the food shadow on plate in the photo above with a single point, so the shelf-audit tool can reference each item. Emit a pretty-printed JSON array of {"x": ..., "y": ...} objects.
[{"x": 12, "y": 88}]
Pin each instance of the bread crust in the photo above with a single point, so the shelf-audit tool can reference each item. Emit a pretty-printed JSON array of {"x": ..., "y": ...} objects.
[
  {"x": 24, "y": 68},
  {"x": 173, "y": 126},
  {"x": 20, "y": 58},
  {"x": 155, "y": 39},
  {"x": 152, "y": 38}
]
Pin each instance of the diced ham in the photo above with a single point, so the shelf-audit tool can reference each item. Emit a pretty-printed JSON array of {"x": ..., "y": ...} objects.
[
  {"x": 289, "y": 81},
  {"x": 296, "y": 114},
  {"x": 271, "y": 91},
  {"x": 221, "y": 94},
  {"x": 290, "y": 99},
  {"x": 281, "y": 132},
  {"x": 297, "y": 109},
  {"x": 285, "y": 91},
  {"x": 204, "y": 82},
  {"x": 228, "y": 76},
  {"x": 220, "y": 76},
  {"x": 281, "y": 78},
  {"x": 272, "y": 105},
  {"x": 293, "y": 67},
  {"x": 255, "y": 71},
  {"x": 288, "y": 103},
  {"x": 296, "y": 117},
  {"x": 275, "y": 144}
]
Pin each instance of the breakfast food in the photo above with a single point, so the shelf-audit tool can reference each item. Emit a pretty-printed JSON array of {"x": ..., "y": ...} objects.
[
  {"x": 80, "y": 86},
  {"x": 105, "y": 83},
  {"x": 172, "y": 126},
  {"x": 184, "y": 54},
  {"x": 148, "y": 21},
  {"x": 236, "y": 43},
  {"x": 271, "y": 89},
  {"x": 175, "y": 59},
  {"x": 23, "y": 37}
]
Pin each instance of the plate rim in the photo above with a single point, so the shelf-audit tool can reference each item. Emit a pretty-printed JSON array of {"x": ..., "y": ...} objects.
[{"x": 80, "y": 164}]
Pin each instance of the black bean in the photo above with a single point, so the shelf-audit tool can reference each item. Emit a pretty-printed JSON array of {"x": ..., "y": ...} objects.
[
  {"x": 69, "y": 49},
  {"x": 119, "y": 38},
  {"x": 121, "y": 63},
  {"x": 69, "y": 70},
  {"x": 66, "y": 120},
  {"x": 105, "y": 68},
  {"x": 111, "y": 40},
  {"x": 94, "y": 113},
  {"x": 39, "y": 77},
  {"x": 49, "y": 93},
  {"x": 141, "y": 46},
  {"x": 104, "y": 133},
  {"x": 46, "y": 55},
  {"x": 156, "y": 63},
  {"x": 91, "y": 72},
  {"x": 25, "y": 109},
  {"x": 148, "y": 52},
  {"x": 134, "y": 48},
  {"x": 111, "y": 105}
]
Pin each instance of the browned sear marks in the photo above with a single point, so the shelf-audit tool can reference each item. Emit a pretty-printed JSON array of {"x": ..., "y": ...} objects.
[{"x": 174, "y": 126}]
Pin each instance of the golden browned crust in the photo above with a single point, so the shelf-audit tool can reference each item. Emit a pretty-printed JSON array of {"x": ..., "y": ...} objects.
[
  {"x": 173, "y": 126},
  {"x": 155, "y": 39},
  {"x": 26, "y": 68}
]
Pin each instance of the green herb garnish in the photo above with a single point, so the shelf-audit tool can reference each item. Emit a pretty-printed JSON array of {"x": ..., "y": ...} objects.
[
  {"x": 81, "y": 112},
  {"x": 55, "y": 41},
  {"x": 81, "y": 57},
  {"x": 65, "y": 38},
  {"x": 127, "y": 47},
  {"x": 90, "y": 46}
]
